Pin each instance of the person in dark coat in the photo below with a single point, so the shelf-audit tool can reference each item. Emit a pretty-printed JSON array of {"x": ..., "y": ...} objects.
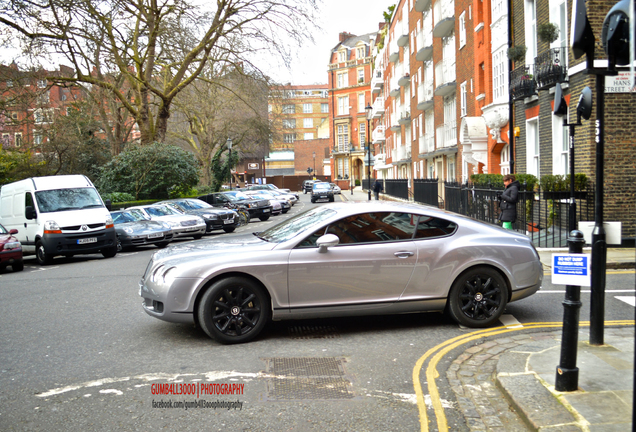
[
  {"x": 508, "y": 201},
  {"x": 377, "y": 188}
]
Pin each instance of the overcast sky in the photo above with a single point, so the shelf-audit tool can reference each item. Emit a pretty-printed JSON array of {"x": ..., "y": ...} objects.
[{"x": 353, "y": 16}]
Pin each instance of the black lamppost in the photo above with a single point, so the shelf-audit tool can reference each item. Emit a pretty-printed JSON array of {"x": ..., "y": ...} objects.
[
  {"x": 314, "y": 164},
  {"x": 229, "y": 147},
  {"x": 368, "y": 108}
]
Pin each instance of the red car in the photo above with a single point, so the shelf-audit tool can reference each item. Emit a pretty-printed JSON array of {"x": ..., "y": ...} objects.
[{"x": 10, "y": 250}]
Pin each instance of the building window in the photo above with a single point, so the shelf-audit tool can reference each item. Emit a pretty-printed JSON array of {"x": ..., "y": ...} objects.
[
  {"x": 464, "y": 98},
  {"x": 343, "y": 105},
  {"x": 342, "y": 56},
  {"x": 343, "y": 80},
  {"x": 499, "y": 75},
  {"x": 361, "y": 104},
  {"x": 360, "y": 75},
  {"x": 42, "y": 116},
  {"x": 6, "y": 140},
  {"x": 289, "y": 138},
  {"x": 362, "y": 136},
  {"x": 18, "y": 139},
  {"x": 308, "y": 123},
  {"x": 38, "y": 139},
  {"x": 532, "y": 147},
  {"x": 324, "y": 108},
  {"x": 9, "y": 83},
  {"x": 309, "y": 136},
  {"x": 343, "y": 137},
  {"x": 41, "y": 83},
  {"x": 498, "y": 9},
  {"x": 531, "y": 30},
  {"x": 505, "y": 160},
  {"x": 361, "y": 52},
  {"x": 289, "y": 109},
  {"x": 560, "y": 147},
  {"x": 307, "y": 108},
  {"x": 289, "y": 123},
  {"x": 462, "y": 29}
]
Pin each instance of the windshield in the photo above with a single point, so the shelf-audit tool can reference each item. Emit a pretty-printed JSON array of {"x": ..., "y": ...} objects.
[
  {"x": 236, "y": 196},
  {"x": 3, "y": 230},
  {"x": 195, "y": 204},
  {"x": 326, "y": 186},
  {"x": 161, "y": 211},
  {"x": 68, "y": 199},
  {"x": 299, "y": 224}
]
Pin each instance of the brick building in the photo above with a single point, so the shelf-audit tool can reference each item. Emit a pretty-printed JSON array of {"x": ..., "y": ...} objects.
[{"x": 349, "y": 77}]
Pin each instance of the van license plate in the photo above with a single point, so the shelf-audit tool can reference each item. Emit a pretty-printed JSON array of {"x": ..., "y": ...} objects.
[{"x": 87, "y": 240}]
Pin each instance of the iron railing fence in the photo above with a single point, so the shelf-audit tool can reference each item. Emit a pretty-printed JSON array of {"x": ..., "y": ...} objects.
[
  {"x": 398, "y": 188},
  {"x": 542, "y": 216},
  {"x": 425, "y": 191}
]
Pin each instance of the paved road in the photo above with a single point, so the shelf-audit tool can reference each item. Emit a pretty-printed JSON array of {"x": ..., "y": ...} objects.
[{"x": 78, "y": 353}]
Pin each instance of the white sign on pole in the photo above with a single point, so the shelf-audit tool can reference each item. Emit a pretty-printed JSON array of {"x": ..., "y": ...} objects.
[{"x": 571, "y": 269}]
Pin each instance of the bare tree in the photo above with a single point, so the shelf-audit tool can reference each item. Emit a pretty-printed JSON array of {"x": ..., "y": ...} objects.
[
  {"x": 158, "y": 46},
  {"x": 220, "y": 105}
]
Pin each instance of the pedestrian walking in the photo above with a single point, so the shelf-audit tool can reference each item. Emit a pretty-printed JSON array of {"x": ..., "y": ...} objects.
[
  {"x": 377, "y": 188},
  {"x": 508, "y": 201}
]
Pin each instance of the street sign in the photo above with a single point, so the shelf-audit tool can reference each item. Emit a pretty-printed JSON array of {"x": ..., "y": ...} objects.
[{"x": 571, "y": 269}]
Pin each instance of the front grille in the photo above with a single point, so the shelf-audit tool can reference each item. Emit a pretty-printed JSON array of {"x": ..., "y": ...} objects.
[
  {"x": 189, "y": 222},
  {"x": 79, "y": 227}
]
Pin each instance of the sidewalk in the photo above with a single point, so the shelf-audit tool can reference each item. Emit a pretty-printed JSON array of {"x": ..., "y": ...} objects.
[{"x": 520, "y": 371}]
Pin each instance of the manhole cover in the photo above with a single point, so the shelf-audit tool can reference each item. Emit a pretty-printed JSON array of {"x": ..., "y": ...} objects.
[
  {"x": 313, "y": 332},
  {"x": 307, "y": 378}
]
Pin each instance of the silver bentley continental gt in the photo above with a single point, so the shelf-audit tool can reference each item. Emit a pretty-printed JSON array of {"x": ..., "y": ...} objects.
[{"x": 343, "y": 259}]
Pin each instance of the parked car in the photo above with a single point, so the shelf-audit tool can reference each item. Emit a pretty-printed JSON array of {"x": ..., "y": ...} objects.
[
  {"x": 270, "y": 186},
  {"x": 215, "y": 218},
  {"x": 343, "y": 259},
  {"x": 292, "y": 198},
  {"x": 336, "y": 188},
  {"x": 279, "y": 204},
  {"x": 258, "y": 208},
  {"x": 134, "y": 229},
  {"x": 10, "y": 250},
  {"x": 321, "y": 191},
  {"x": 182, "y": 225},
  {"x": 307, "y": 184}
]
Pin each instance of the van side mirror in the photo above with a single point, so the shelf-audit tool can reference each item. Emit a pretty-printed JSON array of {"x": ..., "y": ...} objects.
[
  {"x": 30, "y": 213},
  {"x": 109, "y": 205}
]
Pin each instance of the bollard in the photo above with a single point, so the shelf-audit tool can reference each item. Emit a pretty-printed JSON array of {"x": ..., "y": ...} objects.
[{"x": 567, "y": 377}]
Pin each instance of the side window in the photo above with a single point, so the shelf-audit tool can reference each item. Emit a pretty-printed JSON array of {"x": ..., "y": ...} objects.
[
  {"x": 28, "y": 200},
  {"x": 374, "y": 227},
  {"x": 431, "y": 227}
]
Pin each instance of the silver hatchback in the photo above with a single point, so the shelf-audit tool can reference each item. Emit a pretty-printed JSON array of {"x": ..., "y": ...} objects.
[{"x": 343, "y": 259}]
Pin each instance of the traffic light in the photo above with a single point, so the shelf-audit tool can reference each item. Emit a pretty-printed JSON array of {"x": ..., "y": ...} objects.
[
  {"x": 309, "y": 170},
  {"x": 615, "y": 34}
]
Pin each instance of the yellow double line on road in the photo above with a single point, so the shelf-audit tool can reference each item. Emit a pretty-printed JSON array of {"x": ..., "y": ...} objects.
[{"x": 436, "y": 354}]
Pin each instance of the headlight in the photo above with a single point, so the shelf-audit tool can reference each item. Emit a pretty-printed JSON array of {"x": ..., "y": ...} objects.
[
  {"x": 12, "y": 245},
  {"x": 174, "y": 224},
  {"x": 51, "y": 227},
  {"x": 252, "y": 205},
  {"x": 210, "y": 216},
  {"x": 166, "y": 225},
  {"x": 128, "y": 230},
  {"x": 109, "y": 221}
]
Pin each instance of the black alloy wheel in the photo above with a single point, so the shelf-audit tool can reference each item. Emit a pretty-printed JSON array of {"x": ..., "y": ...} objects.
[
  {"x": 234, "y": 310},
  {"x": 478, "y": 297}
]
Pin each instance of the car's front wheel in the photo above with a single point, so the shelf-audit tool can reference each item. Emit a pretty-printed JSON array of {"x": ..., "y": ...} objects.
[
  {"x": 234, "y": 310},
  {"x": 478, "y": 297},
  {"x": 229, "y": 229},
  {"x": 17, "y": 266},
  {"x": 263, "y": 218},
  {"x": 41, "y": 256},
  {"x": 109, "y": 252}
]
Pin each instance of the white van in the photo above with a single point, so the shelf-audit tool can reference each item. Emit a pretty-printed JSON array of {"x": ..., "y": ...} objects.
[{"x": 58, "y": 215}]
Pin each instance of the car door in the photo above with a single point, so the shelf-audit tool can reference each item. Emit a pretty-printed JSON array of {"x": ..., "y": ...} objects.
[{"x": 372, "y": 264}]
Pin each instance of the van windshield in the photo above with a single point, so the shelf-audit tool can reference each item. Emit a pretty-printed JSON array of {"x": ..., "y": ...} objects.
[{"x": 67, "y": 199}]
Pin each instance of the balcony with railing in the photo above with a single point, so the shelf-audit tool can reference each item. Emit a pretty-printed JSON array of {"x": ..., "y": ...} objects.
[
  {"x": 404, "y": 80},
  {"x": 446, "y": 135},
  {"x": 394, "y": 87},
  {"x": 424, "y": 43},
  {"x": 394, "y": 51},
  {"x": 402, "y": 33},
  {"x": 394, "y": 119},
  {"x": 550, "y": 68},
  {"x": 405, "y": 116},
  {"x": 377, "y": 82},
  {"x": 443, "y": 18},
  {"x": 403, "y": 153},
  {"x": 378, "y": 107},
  {"x": 445, "y": 77},
  {"x": 425, "y": 93},
  {"x": 522, "y": 83},
  {"x": 378, "y": 134},
  {"x": 422, "y": 5}
]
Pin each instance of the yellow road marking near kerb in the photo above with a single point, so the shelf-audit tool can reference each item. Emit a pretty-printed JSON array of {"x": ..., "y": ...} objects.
[{"x": 445, "y": 347}]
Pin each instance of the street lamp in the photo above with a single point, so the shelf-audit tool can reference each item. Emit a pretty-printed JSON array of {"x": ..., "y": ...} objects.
[
  {"x": 369, "y": 108},
  {"x": 229, "y": 147},
  {"x": 314, "y": 164}
]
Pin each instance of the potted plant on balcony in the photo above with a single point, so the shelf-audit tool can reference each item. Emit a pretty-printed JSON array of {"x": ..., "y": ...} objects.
[
  {"x": 548, "y": 32},
  {"x": 517, "y": 53}
]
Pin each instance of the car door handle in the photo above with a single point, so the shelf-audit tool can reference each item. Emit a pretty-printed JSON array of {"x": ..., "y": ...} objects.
[{"x": 403, "y": 254}]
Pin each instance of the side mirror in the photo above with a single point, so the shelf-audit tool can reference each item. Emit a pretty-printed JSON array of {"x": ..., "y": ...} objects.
[
  {"x": 30, "y": 213},
  {"x": 584, "y": 107},
  {"x": 109, "y": 205},
  {"x": 327, "y": 241},
  {"x": 13, "y": 231}
]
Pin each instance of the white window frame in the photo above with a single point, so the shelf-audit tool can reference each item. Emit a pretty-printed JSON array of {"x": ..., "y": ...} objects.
[
  {"x": 362, "y": 134},
  {"x": 289, "y": 123},
  {"x": 18, "y": 139},
  {"x": 308, "y": 123},
  {"x": 289, "y": 109},
  {"x": 307, "y": 108},
  {"x": 499, "y": 75},
  {"x": 308, "y": 136},
  {"x": 462, "y": 29},
  {"x": 530, "y": 17},
  {"x": 560, "y": 146},
  {"x": 342, "y": 56},
  {"x": 343, "y": 79},
  {"x": 464, "y": 99},
  {"x": 289, "y": 138},
  {"x": 343, "y": 105},
  {"x": 360, "y": 75},
  {"x": 324, "y": 108},
  {"x": 532, "y": 147},
  {"x": 361, "y": 101},
  {"x": 342, "y": 131}
]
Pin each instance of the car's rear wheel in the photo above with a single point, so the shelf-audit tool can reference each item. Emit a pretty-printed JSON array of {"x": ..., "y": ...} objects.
[
  {"x": 478, "y": 297},
  {"x": 17, "y": 266},
  {"x": 197, "y": 237},
  {"x": 234, "y": 310}
]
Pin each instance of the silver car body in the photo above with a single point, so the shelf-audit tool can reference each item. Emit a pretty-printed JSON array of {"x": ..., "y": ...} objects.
[
  {"x": 383, "y": 277},
  {"x": 182, "y": 225}
]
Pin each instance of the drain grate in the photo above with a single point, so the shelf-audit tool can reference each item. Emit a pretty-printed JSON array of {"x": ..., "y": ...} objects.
[
  {"x": 313, "y": 332},
  {"x": 307, "y": 378}
]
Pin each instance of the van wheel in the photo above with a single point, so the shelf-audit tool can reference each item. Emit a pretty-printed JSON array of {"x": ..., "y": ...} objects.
[
  {"x": 109, "y": 252},
  {"x": 40, "y": 254}
]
